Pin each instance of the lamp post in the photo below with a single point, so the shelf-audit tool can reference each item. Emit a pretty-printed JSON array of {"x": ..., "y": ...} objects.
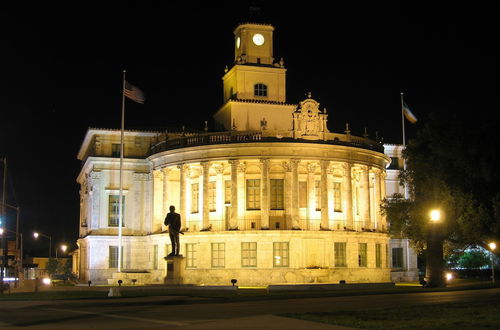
[
  {"x": 492, "y": 246},
  {"x": 434, "y": 267},
  {"x": 36, "y": 234},
  {"x": 19, "y": 249},
  {"x": 63, "y": 248}
]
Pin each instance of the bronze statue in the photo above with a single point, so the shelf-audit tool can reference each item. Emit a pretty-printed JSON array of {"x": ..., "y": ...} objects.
[{"x": 173, "y": 221}]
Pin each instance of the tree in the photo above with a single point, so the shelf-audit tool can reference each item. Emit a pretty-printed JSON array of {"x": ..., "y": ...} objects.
[
  {"x": 473, "y": 259},
  {"x": 451, "y": 166}
]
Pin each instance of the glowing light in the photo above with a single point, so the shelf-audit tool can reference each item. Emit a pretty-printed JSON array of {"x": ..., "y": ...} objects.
[
  {"x": 449, "y": 276},
  {"x": 492, "y": 246},
  {"x": 35, "y": 235},
  {"x": 64, "y": 247},
  {"x": 46, "y": 281},
  {"x": 435, "y": 215},
  {"x": 1, "y": 231}
]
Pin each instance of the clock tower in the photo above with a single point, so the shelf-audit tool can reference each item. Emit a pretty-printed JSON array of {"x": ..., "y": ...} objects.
[
  {"x": 257, "y": 79},
  {"x": 254, "y": 44}
]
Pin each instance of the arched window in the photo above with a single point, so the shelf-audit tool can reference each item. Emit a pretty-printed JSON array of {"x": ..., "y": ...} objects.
[{"x": 260, "y": 90}]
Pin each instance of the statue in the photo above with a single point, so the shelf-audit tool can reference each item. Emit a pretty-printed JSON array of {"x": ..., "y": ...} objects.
[{"x": 173, "y": 221}]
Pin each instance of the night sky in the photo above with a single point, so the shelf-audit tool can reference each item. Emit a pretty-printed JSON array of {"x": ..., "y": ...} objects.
[{"x": 61, "y": 72}]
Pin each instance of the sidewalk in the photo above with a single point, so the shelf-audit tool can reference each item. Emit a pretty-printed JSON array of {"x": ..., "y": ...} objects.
[{"x": 264, "y": 322}]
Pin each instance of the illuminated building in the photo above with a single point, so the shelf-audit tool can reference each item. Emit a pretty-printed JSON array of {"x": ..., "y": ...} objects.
[{"x": 272, "y": 197}]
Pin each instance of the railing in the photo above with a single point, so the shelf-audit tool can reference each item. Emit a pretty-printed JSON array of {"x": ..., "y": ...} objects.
[{"x": 257, "y": 136}]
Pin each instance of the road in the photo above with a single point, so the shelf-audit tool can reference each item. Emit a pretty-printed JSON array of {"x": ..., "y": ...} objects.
[{"x": 198, "y": 313}]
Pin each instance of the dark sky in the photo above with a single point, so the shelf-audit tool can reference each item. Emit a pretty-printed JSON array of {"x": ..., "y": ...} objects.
[{"x": 61, "y": 72}]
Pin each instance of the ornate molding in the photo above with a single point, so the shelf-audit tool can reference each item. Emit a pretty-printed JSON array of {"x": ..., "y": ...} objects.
[
  {"x": 219, "y": 168},
  {"x": 311, "y": 167},
  {"x": 241, "y": 167},
  {"x": 142, "y": 176}
]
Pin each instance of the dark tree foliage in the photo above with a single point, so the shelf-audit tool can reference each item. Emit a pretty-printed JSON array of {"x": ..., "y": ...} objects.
[{"x": 452, "y": 165}]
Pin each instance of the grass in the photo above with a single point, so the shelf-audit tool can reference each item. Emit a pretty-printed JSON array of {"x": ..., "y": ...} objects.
[
  {"x": 242, "y": 294},
  {"x": 477, "y": 315}
]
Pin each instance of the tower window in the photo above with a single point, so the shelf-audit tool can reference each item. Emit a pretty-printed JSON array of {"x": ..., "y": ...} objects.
[{"x": 260, "y": 90}]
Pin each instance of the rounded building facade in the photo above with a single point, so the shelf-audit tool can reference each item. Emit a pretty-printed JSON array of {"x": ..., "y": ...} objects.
[{"x": 273, "y": 197}]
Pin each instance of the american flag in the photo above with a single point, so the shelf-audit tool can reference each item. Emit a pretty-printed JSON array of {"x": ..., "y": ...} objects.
[{"x": 133, "y": 93}]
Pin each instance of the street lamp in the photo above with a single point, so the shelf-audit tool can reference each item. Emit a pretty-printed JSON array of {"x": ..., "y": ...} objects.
[
  {"x": 434, "y": 267},
  {"x": 435, "y": 215},
  {"x": 36, "y": 234},
  {"x": 492, "y": 246},
  {"x": 63, "y": 248},
  {"x": 19, "y": 251}
]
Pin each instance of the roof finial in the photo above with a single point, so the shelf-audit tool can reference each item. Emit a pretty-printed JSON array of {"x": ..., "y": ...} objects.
[
  {"x": 206, "y": 126},
  {"x": 226, "y": 69},
  {"x": 365, "y": 134},
  {"x": 309, "y": 95},
  {"x": 347, "y": 130}
]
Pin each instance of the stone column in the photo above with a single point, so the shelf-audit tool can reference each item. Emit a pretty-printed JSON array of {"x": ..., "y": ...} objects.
[
  {"x": 184, "y": 169},
  {"x": 295, "y": 194},
  {"x": 166, "y": 186},
  {"x": 383, "y": 219},
  {"x": 158, "y": 214},
  {"x": 95, "y": 193},
  {"x": 241, "y": 195},
  {"x": 311, "y": 207},
  {"x": 288, "y": 191},
  {"x": 205, "y": 166},
  {"x": 376, "y": 193},
  {"x": 265, "y": 194},
  {"x": 233, "y": 222},
  {"x": 324, "y": 195},
  {"x": 348, "y": 196},
  {"x": 219, "y": 193},
  {"x": 365, "y": 196}
]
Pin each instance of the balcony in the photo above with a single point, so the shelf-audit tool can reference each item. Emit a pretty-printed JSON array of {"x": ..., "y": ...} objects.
[{"x": 259, "y": 136}]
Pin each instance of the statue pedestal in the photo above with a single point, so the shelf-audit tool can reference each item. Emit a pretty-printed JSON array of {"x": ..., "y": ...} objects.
[{"x": 174, "y": 271}]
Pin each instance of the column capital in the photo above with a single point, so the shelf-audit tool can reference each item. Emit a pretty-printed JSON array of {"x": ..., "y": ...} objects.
[
  {"x": 234, "y": 161},
  {"x": 287, "y": 166},
  {"x": 311, "y": 167},
  {"x": 205, "y": 165},
  {"x": 241, "y": 167},
  {"x": 184, "y": 168},
  {"x": 264, "y": 162},
  {"x": 166, "y": 170},
  {"x": 158, "y": 174},
  {"x": 219, "y": 168},
  {"x": 324, "y": 164}
]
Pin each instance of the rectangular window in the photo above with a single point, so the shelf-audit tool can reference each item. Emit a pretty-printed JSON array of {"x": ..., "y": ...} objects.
[
  {"x": 227, "y": 192},
  {"x": 253, "y": 194},
  {"x": 218, "y": 255},
  {"x": 113, "y": 207},
  {"x": 302, "y": 194},
  {"x": 155, "y": 256},
  {"x": 212, "y": 194},
  {"x": 113, "y": 256},
  {"x": 195, "y": 195},
  {"x": 115, "y": 150},
  {"x": 277, "y": 186},
  {"x": 280, "y": 254},
  {"x": 362, "y": 256},
  {"x": 397, "y": 258},
  {"x": 340, "y": 254},
  {"x": 249, "y": 254},
  {"x": 337, "y": 197},
  {"x": 191, "y": 255},
  {"x": 378, "y": 255},
  {"x": 317, "y": 193}
]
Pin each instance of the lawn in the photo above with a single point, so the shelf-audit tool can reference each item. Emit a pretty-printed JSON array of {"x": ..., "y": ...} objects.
[{"x": 479, "y": 315}]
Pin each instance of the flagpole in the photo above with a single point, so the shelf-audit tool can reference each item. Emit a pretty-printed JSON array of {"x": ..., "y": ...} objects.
[
  {"x": 120, "y": 198},
  {"x": 404, "y": 140}
]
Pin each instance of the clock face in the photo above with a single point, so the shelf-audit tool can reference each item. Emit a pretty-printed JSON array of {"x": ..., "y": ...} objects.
[
  {"x": 258, "y": 39},
  {"x": 238, "y": 41}
]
